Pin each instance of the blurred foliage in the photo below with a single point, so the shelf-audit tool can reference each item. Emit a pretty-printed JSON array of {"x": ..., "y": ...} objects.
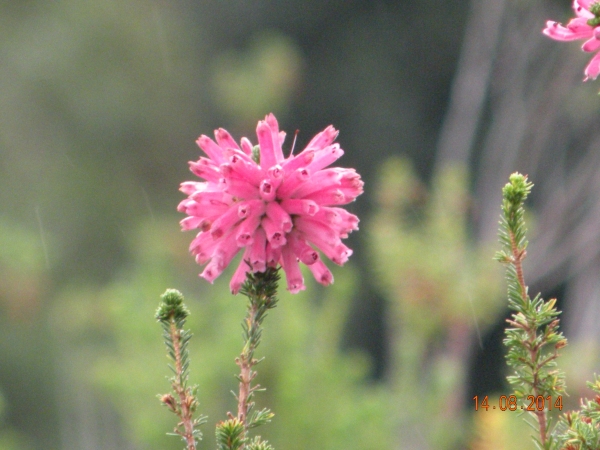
[
  {"x": 26, "y": 373},
  {"x": 91, "y": 96},
  {"x": 443, "y": 294},
  {"x": 495, "y": 429},
  {"x": 253, "y": 82},
  {"x": 318, "y": 395}
]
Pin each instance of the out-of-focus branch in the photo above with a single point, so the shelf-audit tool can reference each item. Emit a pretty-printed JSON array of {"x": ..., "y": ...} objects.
[{"x": 471, "y": 81}]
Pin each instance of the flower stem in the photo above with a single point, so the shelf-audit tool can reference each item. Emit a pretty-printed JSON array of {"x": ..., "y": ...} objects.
[
  {"x": 245, "y": 363},
  {"x": 172, "y": 315},
  {"x": 532, "y": 337},
  {"x": 517, "y": 260},
  {"x": 185, "y": 398},
  {"x": 261, "y": 290}
]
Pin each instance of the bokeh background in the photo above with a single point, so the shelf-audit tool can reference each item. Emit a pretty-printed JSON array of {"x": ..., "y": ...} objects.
[{"x": 436, "y": 103}]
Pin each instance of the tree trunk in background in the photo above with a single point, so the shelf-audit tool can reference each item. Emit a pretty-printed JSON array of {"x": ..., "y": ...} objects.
[
  {"x": 518, "y": 104},
  {"x": 471, "y": 83}
]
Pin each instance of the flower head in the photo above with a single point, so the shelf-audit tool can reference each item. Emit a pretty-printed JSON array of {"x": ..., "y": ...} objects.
[
  {"x": 278, "y": 210},
  {"x": 584, "y": 26}
]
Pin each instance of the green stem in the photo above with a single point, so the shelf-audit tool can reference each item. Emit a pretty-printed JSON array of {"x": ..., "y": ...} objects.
[{"x": 517, "y": 259}]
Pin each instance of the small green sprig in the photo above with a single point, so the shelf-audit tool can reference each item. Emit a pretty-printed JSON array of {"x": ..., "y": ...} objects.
[
  {"x": 261, "y": 290},
  {"x": 583, "y": 426},
  {"x": 230, "y": 435},
  {"x": 533, "y": 338},
  {"x": 182, "y": 401}
]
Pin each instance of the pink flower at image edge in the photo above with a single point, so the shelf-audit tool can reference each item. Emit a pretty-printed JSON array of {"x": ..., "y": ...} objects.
[
  {"x": 276, "y": 210},
  {"x": 584, "y": 26}
]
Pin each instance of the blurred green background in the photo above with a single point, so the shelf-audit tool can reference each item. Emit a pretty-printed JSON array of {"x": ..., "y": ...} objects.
[{"x": 436, "y": 103}]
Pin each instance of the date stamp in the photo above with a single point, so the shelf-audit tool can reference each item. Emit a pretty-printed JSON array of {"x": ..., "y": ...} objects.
[{"x": 534, "y": 403}]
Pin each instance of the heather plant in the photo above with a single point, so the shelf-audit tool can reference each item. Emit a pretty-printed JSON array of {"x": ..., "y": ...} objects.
[
  {"x": 533, "y": 342},
  {"x": 533, "y": 338},
  {"x": 320, "y": 393},
  {"x": 280, "y": 211}
]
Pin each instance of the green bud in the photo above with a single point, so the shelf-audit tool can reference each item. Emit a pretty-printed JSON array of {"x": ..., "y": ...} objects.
[
  {"x": 517, "y": 189},
  {"x": 256, "y": 154},
  {"x": 171, "y": 306},
  {"x": 595, "y": 10}
]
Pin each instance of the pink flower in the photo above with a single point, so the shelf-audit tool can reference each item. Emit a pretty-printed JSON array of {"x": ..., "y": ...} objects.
[
  {"x": 584, "y": 26},
  {"x": 278, "y": 210}
]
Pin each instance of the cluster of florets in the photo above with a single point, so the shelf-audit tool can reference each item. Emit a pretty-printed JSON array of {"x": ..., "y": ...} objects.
[
  {"x": 279, "y": 210},
  {"x": 584, "y": 26}
]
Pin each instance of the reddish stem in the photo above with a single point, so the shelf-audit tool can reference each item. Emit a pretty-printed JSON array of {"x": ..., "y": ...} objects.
[
  {"x": 185, "y": 400},
  {"x": 245, "y": 363}
]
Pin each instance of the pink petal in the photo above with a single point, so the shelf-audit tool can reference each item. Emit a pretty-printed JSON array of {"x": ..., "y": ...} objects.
[
  {"x": 324, "y": 238},
  {"x": 582, "y": 8},
  {"x": 267, "y": 146},
  {"x": 212, "y": 150},
  {"x": 290, "y": 265},
  {"x": 299, "y": 161},
  {"x": 273, "y": 255},
  {"x": 580, "y": 25},
  {"x": 275, "y": 174},
  {"x": 321, "y": 180},
  {"x": 251, "y": 207},
  {"x": 212, "y": 271},
  {"x": 323, "y": 139},
  {"x": 351, "y": 185},
  {"x": 246, "y": 230},
  {"x": 212, "y": 210},
  {"x": 224, "y": 253},
  {"x": 184, "y": 204},
  {"x": 339, "y": 254},
  {"x": 224, "y": 139},
  {"x": 246, "y": 146},
  {"x": 203, "y": 247},
  {"x": 591, "y": 45},
  {"x": 279, "y": 216},
  {"x": 593, "y": 68},
  {"x": 239, "y": 188},
  {"x": 321, "y": 273},
  {"x": 576, "y": 29},
  {"x": 189, "y": 187},
  {"x": 189, "y": 223},
  {"x": 248, "y": 171},
  {"x": 276, "y": 136},
  {"x": 338, "y": 219},
  {"x": 325, "y": 157},
  {"x": 208, "y": 198},
  {"x": 300, "y": 206},
  {"x": 274, "y": 232},
  {"x": 328, "y": 197},
  {"x": 267, "y": 190},
  {"x": 225, "y": 222},
  {"x": 301, "y": 249},
  {"x": 258, "y": 257},
  {"x": 240, "y": 274},
  {"x": 292, "y": 182},
  {"x": 205, "y": 168},
  {"x": 316, "y": 232}
]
